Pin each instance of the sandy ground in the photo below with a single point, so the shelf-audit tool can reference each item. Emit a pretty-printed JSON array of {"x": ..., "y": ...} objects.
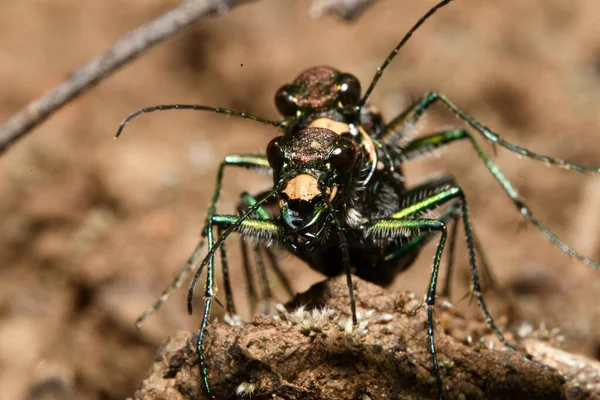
[{"x": 93, "y": 229}]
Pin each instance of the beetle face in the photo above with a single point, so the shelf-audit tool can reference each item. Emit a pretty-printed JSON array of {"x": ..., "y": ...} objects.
[
  {"x": 317, "y": 89},
  {"x": 309, "y": 167}
]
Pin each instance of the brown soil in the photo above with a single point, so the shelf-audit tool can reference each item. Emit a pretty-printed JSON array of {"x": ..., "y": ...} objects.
[
  {"x": 311, "y": 351},
  {"x": 93, "y": 229}
]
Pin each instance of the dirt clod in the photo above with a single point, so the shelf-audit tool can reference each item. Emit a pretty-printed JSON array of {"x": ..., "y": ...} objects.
[{"x": 310, "y": 351}]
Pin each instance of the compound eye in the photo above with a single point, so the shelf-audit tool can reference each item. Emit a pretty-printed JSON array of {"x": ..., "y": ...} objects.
[
  {"x": 275, "y": 153},
  {"x": 348, "y": 89},
  {"x": 344, "y": 156},
  {"x": 285, "y": 102}
]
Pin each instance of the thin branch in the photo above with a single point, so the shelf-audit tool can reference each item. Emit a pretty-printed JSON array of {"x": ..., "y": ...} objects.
[
  {"x": 345, "y": 9},
  {"x": 123, "y": 51}
]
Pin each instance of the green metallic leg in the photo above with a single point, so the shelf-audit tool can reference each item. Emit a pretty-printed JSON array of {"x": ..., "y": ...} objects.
[
  {"x": 385, "y": 228},
  {"x": 398, "y": 226},
  {"x": 485, "y": 266},
  {"x": 345, "y": 254},
  {"x": 398, "y": 127},
  {"x": 451, "y": 215},
  {"x": 451, "y": 249},
  {"x": 287, "y": 286},
  {"x": 249, "y": 281},
  {"x": 248, "y": 200},
  {"x": 229, "y": 304},
  {"x": 230, "y": 307},
  {"x": 427, "y": 189},
  {"x": 261, "y": 229},
  {"x": 423, "y": 238},
  {"x": 439, "y": 199},
  {"x": 267, "y": 295},
  {"x": 256, "y": 162},
  {"x": 418, "y": 146},
  {"x": 209, "y": 295},
  {"x": 415, "y": 195},
  {"x": 248, "y": 161}
]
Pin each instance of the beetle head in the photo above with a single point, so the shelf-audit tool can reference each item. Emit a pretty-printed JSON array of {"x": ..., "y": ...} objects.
[
  {"x": 318, "y": 89},
  {"x": 310, "y": 168}
]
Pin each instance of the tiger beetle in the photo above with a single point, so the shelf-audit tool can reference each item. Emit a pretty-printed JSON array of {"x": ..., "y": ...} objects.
[{"x": 339, "y": 201}]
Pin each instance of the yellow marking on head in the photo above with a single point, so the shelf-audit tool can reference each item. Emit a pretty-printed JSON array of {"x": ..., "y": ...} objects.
[
  {"x": 302, "y": 187},
  {"x": 305, "y": 187},
  {"x": 315, "y": 145}
]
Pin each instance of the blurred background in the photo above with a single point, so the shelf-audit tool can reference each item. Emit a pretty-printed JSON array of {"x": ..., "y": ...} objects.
[{"x": 93, "y": 229}]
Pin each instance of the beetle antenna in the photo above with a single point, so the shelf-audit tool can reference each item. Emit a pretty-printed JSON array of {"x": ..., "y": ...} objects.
[
  {"x": 195, "y": 107},
  {"x": 391, "y": 56}
]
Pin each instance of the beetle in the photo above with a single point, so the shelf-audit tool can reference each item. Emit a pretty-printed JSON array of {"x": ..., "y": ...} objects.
[{"x": 339, "y": 201}]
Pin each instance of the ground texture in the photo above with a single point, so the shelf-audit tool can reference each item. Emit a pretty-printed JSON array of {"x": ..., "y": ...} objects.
[
  {"x": 313, "y": 352},
  {"x": 92, "y": 229}
]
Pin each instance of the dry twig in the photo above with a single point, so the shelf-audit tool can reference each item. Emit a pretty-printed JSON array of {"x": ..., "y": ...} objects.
[
  {"x": 123, "y": 51},
  {"x": 131, "y": 46},
  {"x": 346, "y": 9}
]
